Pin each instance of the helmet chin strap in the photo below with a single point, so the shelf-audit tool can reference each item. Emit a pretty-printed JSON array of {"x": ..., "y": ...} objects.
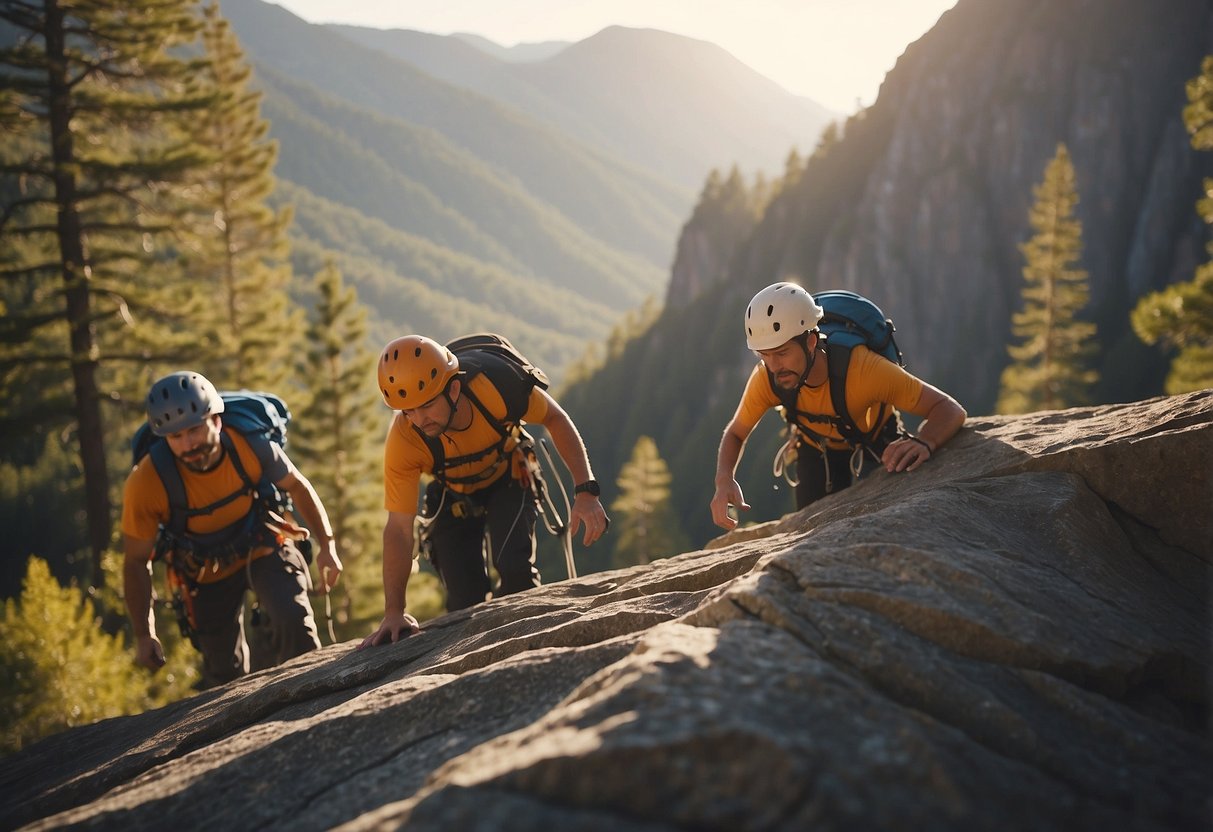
[
  {"x": 809, "y": 359},
  {"x": 446, "y": 394}
]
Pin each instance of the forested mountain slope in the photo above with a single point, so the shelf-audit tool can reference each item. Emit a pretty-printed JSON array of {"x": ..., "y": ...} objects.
[{"x": 495, "y": 220}]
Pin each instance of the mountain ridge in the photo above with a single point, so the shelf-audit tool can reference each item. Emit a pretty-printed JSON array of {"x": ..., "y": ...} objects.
[{"x": 667, "y": 102}]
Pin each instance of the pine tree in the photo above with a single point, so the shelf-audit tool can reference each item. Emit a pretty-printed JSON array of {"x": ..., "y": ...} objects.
[
  {"x": 94, "y": 96},
  {"x": 793, "y": 169},
  {"x": 239, "y": 250},
  {"x": 337, "y": 440},
  {"x": 647, "y": 525},
  {"x": 1049, "y": 368},
  {"x": 830, "y": 138},
  {"x": 1181, "y": 316}
]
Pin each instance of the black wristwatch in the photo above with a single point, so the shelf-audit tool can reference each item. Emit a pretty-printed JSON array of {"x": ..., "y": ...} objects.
[{"x": 588, "y": 487}]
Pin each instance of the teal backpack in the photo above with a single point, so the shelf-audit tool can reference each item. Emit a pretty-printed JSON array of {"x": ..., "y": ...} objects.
[
  {"x": 261, "y": 418},
  {"x": 849, "y": 320}
]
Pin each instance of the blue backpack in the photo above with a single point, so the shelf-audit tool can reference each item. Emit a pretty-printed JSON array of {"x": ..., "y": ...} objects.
[
  {"x": 261, "y": 418},
  {"x": 849, "y": 320}
]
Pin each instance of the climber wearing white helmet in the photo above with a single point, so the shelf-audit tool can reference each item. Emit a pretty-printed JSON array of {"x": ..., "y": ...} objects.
[{"x": 793, "y": 372}]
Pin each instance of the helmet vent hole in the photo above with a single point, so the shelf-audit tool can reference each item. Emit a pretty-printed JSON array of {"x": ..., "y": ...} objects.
[
  {"x": 433, "y": 373},
  {"x": 421, "y": 385},
  {"x": 402, "y": 393},
  {"x": 776, "y": 326},
  {"x": 770, "y": 310},
  {"x": 391, "y": 379},
  {"x": 417, "y": 352}
]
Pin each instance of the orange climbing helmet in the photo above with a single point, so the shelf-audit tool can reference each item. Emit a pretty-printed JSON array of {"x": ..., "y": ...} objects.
[{"x": 413, "y": 370}]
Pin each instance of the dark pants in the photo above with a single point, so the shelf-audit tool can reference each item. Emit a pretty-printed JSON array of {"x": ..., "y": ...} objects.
[
  {"x": 280, "y": 582},
  {"x": 820, "y": 473},
  {"x": 456, "y": 540}
]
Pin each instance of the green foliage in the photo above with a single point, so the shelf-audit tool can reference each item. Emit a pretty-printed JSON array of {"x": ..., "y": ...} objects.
[
  {"x": 239, "y": 247},
  {"x": 412, "y": 284},
  {"x": 337, "y": 440},
  {"x": 40, "y": 508},
  {"x": 58, "y": 668},
  {"x": 96, "y": 103},
  {"x": 634, "y": 324},
  {"x": 1181, "y": 316},
  {"x": 419, "y": 182},
  {"x": 1198, "y": 114},
  {"x": 1050, "y": 364},
  {"x": 646, "y": 526}
]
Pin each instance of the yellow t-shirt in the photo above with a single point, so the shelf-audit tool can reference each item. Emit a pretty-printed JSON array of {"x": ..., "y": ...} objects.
[
  {"x": 406, "y": 456},
  {"x": 871, "y": 381},
  {"x": 145, "y": 501}
]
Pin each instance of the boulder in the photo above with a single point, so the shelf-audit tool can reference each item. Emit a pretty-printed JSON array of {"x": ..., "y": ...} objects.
[{"x": 1015, "y": 635}]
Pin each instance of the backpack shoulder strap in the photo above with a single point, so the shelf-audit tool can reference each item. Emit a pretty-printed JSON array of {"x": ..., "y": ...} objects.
[
  {"x": 166, "y": 468},
  {"x": 229, "y": 448},
  {"x": 434, "y": 443},
  {"x": 259, "y": 444},
  {"x": 839, "y": 360},
  {"x": 511, "y": 382},
  {"x": 179, "y": 510}
]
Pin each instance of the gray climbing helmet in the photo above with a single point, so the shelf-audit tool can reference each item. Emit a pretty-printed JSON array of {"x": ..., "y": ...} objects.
[{"x": 180, "y": 401}]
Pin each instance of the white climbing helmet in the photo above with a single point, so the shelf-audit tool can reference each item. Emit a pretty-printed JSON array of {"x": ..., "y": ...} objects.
[{"x": 779, "y": 313}]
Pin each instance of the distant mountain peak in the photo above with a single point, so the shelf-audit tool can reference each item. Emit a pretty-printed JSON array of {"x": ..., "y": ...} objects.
[{"x": 518, "y": 53}]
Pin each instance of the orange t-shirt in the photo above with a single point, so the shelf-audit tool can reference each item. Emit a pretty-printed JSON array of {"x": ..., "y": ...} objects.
[
  {"x": 145, "y": 501},
  {"x": 871, "y": 381},
  {"x": 406, "y": 456}
]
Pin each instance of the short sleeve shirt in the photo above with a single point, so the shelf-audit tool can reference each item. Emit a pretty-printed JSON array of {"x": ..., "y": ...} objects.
[
  {"x": 406, "y": 456},
  {"x": 145, "y": 501},
  {"x": 871, "y": 381}
]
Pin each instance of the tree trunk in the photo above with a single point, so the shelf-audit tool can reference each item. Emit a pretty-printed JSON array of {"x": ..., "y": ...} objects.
[{"x": 77, "y": 295}]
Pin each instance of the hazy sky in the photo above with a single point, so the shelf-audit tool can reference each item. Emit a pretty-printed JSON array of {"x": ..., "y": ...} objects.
[{"x": 833, "y": 51}]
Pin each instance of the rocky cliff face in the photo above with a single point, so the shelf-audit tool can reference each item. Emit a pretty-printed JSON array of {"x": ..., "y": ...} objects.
[
  {"x": 925, "y": 203},
  {"x": 1015, "y": 636},
  {"x": 977, "y": 108}
]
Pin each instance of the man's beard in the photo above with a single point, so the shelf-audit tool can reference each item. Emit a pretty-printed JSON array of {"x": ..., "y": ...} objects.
[
  {"x": 787, "y": 381},
  {"x": 196, "y": 460},
  {"x": 432, "y": 429}
]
